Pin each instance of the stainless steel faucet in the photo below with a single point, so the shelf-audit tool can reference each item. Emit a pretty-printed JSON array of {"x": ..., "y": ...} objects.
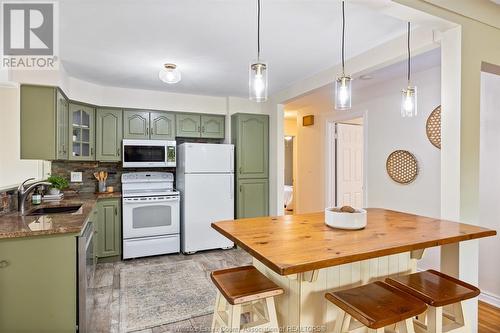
[{"x": 22, "y": 193}]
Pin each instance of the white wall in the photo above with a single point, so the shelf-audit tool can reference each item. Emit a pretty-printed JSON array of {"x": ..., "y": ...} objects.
[
  {"x": 13, "y": 170},
  {"x": 489, "y": 184}
]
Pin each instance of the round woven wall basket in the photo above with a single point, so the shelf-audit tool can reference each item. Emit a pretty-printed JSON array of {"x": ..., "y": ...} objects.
[
  {"x": 433, "y": 127},
  {"x": 402, "y": 166}
]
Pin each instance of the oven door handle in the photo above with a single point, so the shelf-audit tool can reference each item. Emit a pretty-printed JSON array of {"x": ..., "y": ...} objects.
[{"x": 132, "y": 201}]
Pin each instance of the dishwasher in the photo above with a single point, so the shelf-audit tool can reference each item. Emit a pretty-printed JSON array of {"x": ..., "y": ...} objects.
[{"x": 86, "y": 271}]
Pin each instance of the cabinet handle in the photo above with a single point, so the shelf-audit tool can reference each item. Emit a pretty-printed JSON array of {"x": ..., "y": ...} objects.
[
  {"x": 199, "y": 129},
  {"x": 203, "y": 129},
  {"x": 4, "y": 263},
  {"x": 116, "y": 211},
  {"x": 118, "y": 152},
  {"x": 241, "y": 188},
  {"x": 91, "y": 151},
  {"x": 239, "y": 169},
  {"x": 147, "y": 130}
]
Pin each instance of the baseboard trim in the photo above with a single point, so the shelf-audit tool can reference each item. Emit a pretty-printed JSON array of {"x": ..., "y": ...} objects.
[{"x": 490, "y": 299}]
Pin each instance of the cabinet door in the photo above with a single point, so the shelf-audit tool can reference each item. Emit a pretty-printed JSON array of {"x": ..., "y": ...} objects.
[
  {"x": 135, "y": 124},
  {"x": 252, "y": 146},
  {"x": 38, "y": 276},
  {"x": 188, "y": 125},
  {"x": 108, "y": 228},
  {"x": 62, "y": 135},
  {"x": 162, "y": 125},
  {"x": 109, "y": 134},
  {"x": 212, "y": 126},
  {"x": 252, "y": 198},
  {"x": 81, "y": 133}
]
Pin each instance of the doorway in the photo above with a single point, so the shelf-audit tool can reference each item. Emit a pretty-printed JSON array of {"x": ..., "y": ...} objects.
[
  {"x": 346, "y": 150},
  {"x": 289, "y": 172}
]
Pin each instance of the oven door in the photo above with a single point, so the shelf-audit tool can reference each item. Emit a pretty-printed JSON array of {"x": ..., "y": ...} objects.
[{"x": 150, "y": 216}]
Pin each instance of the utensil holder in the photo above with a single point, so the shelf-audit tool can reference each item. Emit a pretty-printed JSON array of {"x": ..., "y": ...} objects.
[{"x": 102, "y": 186}]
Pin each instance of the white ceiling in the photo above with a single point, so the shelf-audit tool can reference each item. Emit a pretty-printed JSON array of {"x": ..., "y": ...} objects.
[
  {"x": 125, "y": 42},
  {"x": 322, "y": 98}
]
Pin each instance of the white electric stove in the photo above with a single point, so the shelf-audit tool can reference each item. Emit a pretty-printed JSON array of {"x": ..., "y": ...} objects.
[{"x": 151, "y": 214}]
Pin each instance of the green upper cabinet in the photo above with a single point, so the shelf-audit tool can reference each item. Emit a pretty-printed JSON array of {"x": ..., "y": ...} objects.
[
  {"x": 155, "y": 125},
  {"x": 250, "y": 135},
  {"x": 44, "y": 123},
  {"x": 212, "y": 126},
  {"x": 135, "y": 124},
  {"x": 162, "y": 125},
  {"x": 188, "y": 125},
  {"x": 62, "y": 111},
  {"x": 108, "y": 228},
  {"x": 81, "y": 133},
  {"x": 109, "y": 134},
  {"x": 252, "y": 198}
]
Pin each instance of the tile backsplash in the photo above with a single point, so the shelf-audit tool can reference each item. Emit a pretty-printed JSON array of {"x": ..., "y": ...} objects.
[
  {"x": 89, "y": 183},
  {"x": 8, "y": 201}
]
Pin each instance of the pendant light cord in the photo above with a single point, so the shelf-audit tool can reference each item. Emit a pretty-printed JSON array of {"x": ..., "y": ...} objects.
[
  {"x": 258, "y": 30},
  {"x": 409, "y": 54},
  {"x": 343, "y": 34}
]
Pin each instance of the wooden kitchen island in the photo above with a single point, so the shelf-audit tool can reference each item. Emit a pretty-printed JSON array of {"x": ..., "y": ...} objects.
[{"x": 307, "y": 258}]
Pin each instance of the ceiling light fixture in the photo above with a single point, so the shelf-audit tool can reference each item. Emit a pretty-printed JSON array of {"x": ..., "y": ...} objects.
[
  {"x": 257, "y": 78},
  {"x": 343, "y": 87},
  {"x": 170, "y": 74},
  {"x": 409, "y": 95}
]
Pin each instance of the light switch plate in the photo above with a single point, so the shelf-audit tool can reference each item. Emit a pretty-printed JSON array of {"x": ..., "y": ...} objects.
[{"x": 76, "y": 177}]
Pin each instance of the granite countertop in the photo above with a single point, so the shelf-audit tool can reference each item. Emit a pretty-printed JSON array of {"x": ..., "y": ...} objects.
[{"x": 14, "y": 225}]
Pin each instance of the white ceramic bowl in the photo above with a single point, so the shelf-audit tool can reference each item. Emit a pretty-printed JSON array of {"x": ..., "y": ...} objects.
[{"x": 350, "y": 221}]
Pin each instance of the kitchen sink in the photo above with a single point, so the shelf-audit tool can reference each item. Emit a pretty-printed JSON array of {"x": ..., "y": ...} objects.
[{"x": 54, "y": 210}]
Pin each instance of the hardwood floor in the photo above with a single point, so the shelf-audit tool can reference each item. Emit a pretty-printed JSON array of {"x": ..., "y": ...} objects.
[{"x": 489, "y": 318}]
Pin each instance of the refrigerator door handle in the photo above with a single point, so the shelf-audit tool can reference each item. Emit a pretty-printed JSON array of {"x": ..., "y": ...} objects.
[
  {"x": 231, "y": 187},
  {"x": 232, "y": 160}
]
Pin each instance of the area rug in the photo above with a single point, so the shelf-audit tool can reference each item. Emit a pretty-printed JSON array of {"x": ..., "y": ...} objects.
[{"x": 160, "y": 294}]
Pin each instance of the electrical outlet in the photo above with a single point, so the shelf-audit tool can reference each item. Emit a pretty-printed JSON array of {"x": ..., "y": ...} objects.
[{"x": 76, "y": 177}]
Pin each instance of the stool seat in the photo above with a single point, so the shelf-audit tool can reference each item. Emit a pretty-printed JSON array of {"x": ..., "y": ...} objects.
[
  {"x": 434, "y": 288},
  {"x": 377, "y": 304},
  {"x": 244, "y": 284}
]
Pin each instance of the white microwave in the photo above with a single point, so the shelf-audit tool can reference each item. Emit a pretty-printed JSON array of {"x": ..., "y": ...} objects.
[{"x": 149, "y": 154}]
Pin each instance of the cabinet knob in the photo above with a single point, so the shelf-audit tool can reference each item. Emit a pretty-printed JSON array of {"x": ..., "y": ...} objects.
[{"x": 4, "y": 263}]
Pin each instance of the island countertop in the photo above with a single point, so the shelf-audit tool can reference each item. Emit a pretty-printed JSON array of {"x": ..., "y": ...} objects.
[
  {"x": 300, "y": 243},
  {"x": 14, "y": 225}
]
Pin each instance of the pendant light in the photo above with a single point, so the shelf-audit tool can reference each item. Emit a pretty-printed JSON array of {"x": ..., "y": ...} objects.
[
  {"x": 343, "y": 83},
  {"x": 409, "y": 95},
  {"x": 257, "y": 78},
  {"x": 169, "y": 74}
]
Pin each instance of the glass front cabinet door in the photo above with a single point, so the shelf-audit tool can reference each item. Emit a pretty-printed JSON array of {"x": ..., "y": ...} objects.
[{"x": 81, "y": 133}]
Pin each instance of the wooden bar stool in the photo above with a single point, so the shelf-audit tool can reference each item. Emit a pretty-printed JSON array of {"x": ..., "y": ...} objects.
[
  {"x": 376, "y": 306},
  {"x": 444, "y": 295},
  {"x": 244, "y": 290}
]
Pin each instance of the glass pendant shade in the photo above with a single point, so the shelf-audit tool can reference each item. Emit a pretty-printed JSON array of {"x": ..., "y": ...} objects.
[
  {"x": 409, "y": 102},
  {"x": 257, "y": 83},
  {"x": 343, "y": 92},
  {"x": 170, "y": 74}
]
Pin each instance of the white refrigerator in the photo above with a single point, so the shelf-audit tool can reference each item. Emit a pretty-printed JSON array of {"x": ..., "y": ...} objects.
[{"x": 205, "y": 180}]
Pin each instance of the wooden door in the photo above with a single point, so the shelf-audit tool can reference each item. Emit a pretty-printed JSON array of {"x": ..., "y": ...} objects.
[
  {"x": 108, "y": 228},
  {"x": 188, "y": 125},
  {"x": 252, "y": 198},
  {"x": 212, "y": 126},
  {"x": 81, "y": 133},
  {"x": 62, "y": 136},
  {"x": 135, "y": 124},
  {"x": 252, "y": 147},
  {"x": 109, "y": 134},
  {"x": 162, "y": 125},
  {"x": 349, "y": 165}
]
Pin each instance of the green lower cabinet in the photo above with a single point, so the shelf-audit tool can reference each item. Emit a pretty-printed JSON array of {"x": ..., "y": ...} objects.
[
  {"x": 252, "y": 198},
  {"x": 212, "y": 126},
  {"x": 109, "y": 223},
  {"x": 38, "y": 284}
]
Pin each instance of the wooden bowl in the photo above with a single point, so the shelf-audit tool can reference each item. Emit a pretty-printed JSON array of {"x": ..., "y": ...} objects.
[{"x": 348, "y": 221}]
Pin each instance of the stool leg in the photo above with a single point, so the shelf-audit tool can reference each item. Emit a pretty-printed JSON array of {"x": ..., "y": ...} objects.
[
  {"x": 234, "y": 318},
  {"x": 406, "y": 326},
  {"x": 342, "y": 322},
  {"x": 216, "y": 312},
  {"x": 435, "y": 320},
  {"x": 273, "y": 319},
  {"x": 376, "y": 330}
]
